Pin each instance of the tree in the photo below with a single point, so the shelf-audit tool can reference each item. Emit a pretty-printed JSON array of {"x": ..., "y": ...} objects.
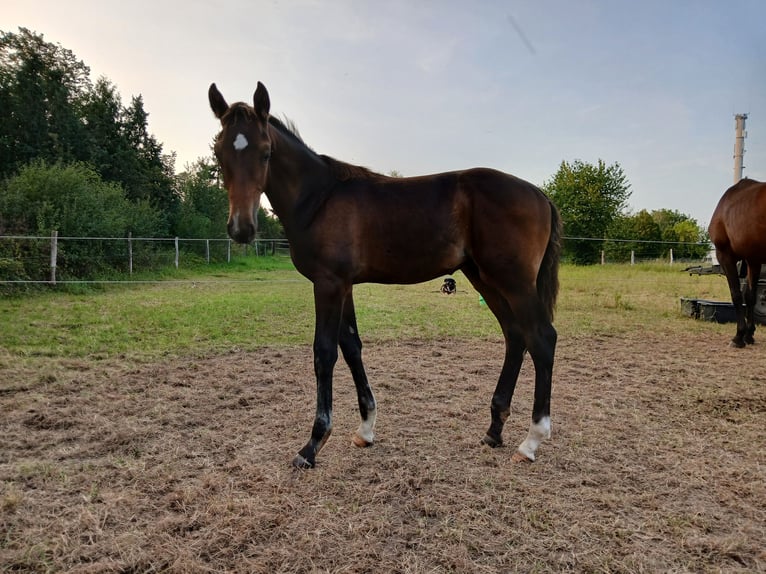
[
  {"x": 644, "y": 232},
  {"x": 41, "y": 90},
  {"x": 651, "y": 235},
  {"x": 682, "y": 233},
  {"x": 52, "y": 112},
  {"x": 204, "y": 206},
  {"x": 269, "y": 226},
  {"x": 589, "y": 197}
]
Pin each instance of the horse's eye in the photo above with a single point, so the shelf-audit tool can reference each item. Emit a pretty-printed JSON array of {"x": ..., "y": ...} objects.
[{"x": 266, "y": 156}]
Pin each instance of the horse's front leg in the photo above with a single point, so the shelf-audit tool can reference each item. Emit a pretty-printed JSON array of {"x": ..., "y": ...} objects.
[
  {"x": 328, "y": 301},
  {"x": 351, "y": 347}
]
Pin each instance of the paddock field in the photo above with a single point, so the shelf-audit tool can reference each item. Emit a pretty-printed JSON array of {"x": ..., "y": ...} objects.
[{"x": 177, "y": 458}]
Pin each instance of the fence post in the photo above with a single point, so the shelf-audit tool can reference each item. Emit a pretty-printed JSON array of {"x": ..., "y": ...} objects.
[
  {"x": 632, "y": 257},
  {"x": 176, "y": 252},
  {"x": 228, "y": 251},
  {"x": 130, "y": 252},
  {"x": 671, "y": 256},
  {"x": 603, "y": 259},
  {"x": 207, "y": 251},
  {"x": 54, "y": 254}
]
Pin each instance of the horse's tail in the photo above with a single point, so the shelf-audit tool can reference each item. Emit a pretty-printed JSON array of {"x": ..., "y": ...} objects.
[{"x": 548, "y": 275}]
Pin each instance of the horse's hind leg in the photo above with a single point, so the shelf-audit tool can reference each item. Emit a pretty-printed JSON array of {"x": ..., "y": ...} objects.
[
  {"x": 729, "y": 266},
  {"x": 500, "y": 408},
  {"x": 541, "y": 342},
  {"x": 525, "y": 325},
  {"x": 351, "y": 347},
  {"x": 506, "y": 385},
  {"x": 753, "y": 273}
]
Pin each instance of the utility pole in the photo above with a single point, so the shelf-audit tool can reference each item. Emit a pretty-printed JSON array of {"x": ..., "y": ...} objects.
[{"x": 739, "y": 145}]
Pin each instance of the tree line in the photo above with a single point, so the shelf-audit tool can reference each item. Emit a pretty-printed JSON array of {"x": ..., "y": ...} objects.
[
  {"x": 593, "y": 199},
  {"x": 75, "y": 158}
]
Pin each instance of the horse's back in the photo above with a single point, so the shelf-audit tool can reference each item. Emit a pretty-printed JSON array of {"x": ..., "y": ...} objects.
[{"x": 738, "y": 224}]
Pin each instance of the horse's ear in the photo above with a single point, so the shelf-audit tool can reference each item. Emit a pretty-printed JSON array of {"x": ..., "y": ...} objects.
[
  {"x": 217, "y": 103},
  {"x": 261, "y": 102}
]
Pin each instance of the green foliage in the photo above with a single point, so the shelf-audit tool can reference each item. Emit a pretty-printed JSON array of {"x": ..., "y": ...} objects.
[
  {"x": 42, "y": 89},
  {"x": 204, "y": 207},
  {"x": 642, "y": 229},
  {"x": 269, "y": 226},
  {"x": 76, "y": 202},
  {"x": 589, "y": 197},
  {"x": 653, "y": 235},
  {"x": 52, "y": 112}
]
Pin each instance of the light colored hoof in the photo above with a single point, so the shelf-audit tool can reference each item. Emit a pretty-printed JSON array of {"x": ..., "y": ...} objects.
[
  {"x": 521, "y": 458},
  {"x": 360, "y": 442}
]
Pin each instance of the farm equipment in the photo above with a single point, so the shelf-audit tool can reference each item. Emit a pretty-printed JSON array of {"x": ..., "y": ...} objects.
[{"x": 720, "y": 311}]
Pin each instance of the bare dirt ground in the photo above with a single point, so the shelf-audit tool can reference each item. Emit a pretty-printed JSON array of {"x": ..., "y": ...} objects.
[{"x": 656, "y": 463}]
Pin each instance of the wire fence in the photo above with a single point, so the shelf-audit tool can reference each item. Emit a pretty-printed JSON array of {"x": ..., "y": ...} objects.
[
  {"x": 61, "y": 259},
  {"x": 58, "y": 259}
]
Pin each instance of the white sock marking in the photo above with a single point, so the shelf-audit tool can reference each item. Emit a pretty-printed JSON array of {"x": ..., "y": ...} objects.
[
  {"x": 537, "y": 433},
  {"x": 366, "y": 429},
  {"x": 240, "y": 142}
]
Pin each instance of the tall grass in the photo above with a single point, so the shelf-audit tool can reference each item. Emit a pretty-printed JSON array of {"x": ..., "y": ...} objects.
[{"x": 253, "y": 302}]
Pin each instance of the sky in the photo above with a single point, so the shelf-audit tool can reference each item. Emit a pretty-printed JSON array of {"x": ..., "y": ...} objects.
[{"x": 421, "y": 86}]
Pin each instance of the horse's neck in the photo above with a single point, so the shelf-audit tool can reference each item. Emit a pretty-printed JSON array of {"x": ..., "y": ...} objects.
[{"x": 296, "y": 173}]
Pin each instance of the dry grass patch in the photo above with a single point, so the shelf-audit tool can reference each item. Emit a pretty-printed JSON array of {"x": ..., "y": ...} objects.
[{"x": 655, "y": 465}]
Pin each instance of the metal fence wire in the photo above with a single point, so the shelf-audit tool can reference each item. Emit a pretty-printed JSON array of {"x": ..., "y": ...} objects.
[{"x": 57, "y": 259}]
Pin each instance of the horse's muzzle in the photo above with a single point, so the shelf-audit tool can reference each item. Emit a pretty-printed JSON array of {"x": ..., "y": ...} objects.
[{"x": 241, "y": 232}]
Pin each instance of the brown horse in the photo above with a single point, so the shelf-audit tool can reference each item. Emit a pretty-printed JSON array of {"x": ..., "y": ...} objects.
[
  {"x": 738, "y": 231},
  {"x": 348, "y": 225}
]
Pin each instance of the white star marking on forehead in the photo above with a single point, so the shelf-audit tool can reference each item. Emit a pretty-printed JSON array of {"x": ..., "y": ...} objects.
[{"x": 240, "y": 142}]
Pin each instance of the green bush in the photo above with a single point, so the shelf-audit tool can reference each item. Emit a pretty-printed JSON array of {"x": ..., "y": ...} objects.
[{"x": 74, "y": 201}]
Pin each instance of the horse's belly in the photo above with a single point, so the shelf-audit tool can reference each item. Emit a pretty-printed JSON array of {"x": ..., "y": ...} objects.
[{"x": 416, "y": 264}]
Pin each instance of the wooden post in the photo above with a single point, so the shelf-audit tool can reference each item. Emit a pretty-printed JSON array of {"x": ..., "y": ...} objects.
[
  {"x": 603, "y": 259},
  {"x": 54, "y": 254},
  {"x": 176, "y": 252},
  {"x": 130, "y": 252},
  {"x": 207, "y": 251},
  {"x": 632, "y": 257},
  {"x": 228, "y": 251},
  {"x": 671, "y": 256}
]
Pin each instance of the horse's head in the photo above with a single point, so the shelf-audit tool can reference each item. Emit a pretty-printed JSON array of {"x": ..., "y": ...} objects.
[{"x": 243, "y": 149}]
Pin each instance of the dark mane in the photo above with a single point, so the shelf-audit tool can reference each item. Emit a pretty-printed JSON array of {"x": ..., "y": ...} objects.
[
  {"x": 310, "y": 204},
  {"x": 288, "y": 128},
  {"x": 346, "y": 171},
  {"x": 341, "y": 170}
]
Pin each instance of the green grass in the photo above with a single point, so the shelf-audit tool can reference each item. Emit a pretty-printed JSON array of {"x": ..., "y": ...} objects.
[{"x": 253, "y": 302}]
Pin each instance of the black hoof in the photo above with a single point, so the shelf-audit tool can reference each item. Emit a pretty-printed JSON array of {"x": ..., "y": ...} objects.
[
  {"x": 737, "y": 343},
  {"x": 492, "y": 442},
  {"x": 300, "y": 462}
]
